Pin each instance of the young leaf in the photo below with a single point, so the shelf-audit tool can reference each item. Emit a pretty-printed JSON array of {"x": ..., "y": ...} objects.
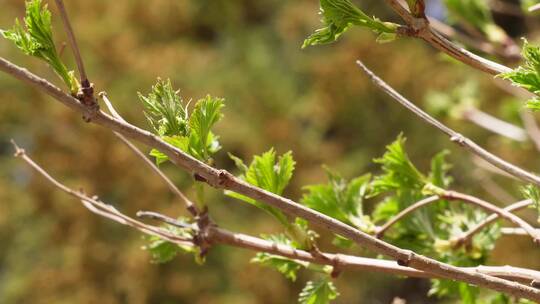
[
  {"x": 170, "y": 119},
  {"x": 439, "y": 169},
  {"x": 165, "y": 110},
  {"x": 339, "y": 15},
  {"x": 37, "y": 40},
  {"x": 181, "y": 143},
  {"x": 341, "y": 200},
  {"x": 527, "y": 75},
  {"x": 288, "y": 267},
  {"x": 533, "y": 104},
  {"x": 399, "y": 170},
  {"x": 531, "y": 192},
  {"x": 319, "y": 292},
  {"x": 163, "y": 251},
  {"x": 206, "y": 114},
  {"x": 269, "y": 174}
]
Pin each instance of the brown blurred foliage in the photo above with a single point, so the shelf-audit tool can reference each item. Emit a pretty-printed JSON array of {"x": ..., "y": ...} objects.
[{"x": 313, "y": 102}]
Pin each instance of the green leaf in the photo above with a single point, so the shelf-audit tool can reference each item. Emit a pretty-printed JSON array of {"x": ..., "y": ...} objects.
[
  {"x": 399, "y": 171},
  {"x": 239, "y": 163},
  {"x": 340, "y": 15},
  {"x": 533, "y": 104},
  {"x": 162, "y": 251},
  {"x": 318, "y": 292},
  {"x": 170, "y": 118},
  {"x": 439, "y": 170},
  {"x": 341, "y": 200},
  {"x": 206, "y": 114},
  {"x": 37, "y": 40},
  {"x": 270, "y": 174},
  {"x": 165, "y": 110},
  {"x": 181, "y": 143},
  {"x": 386, "y": 209},
  {"x": 527, "y": 75},
  {"x": 533, "y": 193},
  {"x": 288, "y": 267}
]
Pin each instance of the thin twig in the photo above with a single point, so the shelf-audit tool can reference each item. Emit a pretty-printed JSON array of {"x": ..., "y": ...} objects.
[
  {"x": 454, "y": 136},
  {"x": 190, "y": 206},
  {"x": 466, "y": 237},
  {"x": 72, "y": 41},
  {"x": 457, "y": 196},
  {"x": 426, "y": 201},
  {"x": 96, "y": 206},
  {"x": 222, "y": 179},
  {"x": 503, "y": 213}
]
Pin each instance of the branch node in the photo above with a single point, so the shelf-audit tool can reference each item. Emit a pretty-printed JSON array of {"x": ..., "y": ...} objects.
[
  {"x": 224, "y": 178},
  {"x": 18, "y": 150},
  {"x": 408, "y": 258},
  {"x": 459, "y": 139},
  {"x": 336, "y": 266},
  {"x": 201, "y": 239}
]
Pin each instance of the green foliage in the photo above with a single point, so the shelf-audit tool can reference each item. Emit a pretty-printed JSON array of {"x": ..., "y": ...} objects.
[
  {"x": 527, "y": 75},
  {"x": 456, "y": 102},
  {"x": 399, "y": 170},
  {"x": 170, "y": 118},
  {"x": 165, "y": 110},
  {"x": 162, "y": 251},
  {"x": 533, "y": 104},
  {"x": 288, "y": 267},
  {"x": 318, "y": 292},
  {"x": 341, "y": 200},
  {"x": 476, "y": 13},
  {"x": 339, "y": 16},
  {"x": 268, "y": 173},
  {"x": 37, "y": 40},
  {"x": 439, "y": 170},
  {"x": 531, "y": 192}
]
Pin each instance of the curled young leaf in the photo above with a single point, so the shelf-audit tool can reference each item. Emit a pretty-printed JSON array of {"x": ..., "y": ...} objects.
[
  {"x": 339, "y": 15},
  {"x": 37, "y": 40}
]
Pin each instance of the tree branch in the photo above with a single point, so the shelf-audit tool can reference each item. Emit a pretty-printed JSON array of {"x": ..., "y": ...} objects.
[
  {"x": 420, "y": 27},
  {"x": 454, "y": 136},
  {"x": 220, "y": 236},
  {"x": 223, "y": 179}
]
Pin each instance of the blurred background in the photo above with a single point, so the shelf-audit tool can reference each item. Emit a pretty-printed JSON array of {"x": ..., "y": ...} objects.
[{"x": 314, "y": 102}]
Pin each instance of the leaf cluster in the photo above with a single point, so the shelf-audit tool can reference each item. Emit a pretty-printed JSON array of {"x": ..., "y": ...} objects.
[
  {"x": 339, "y": 15},
  {"x": 191, "y": 132},
  {"x": 163, "y": 251},
  {"x": 533, "y": 193},
  {"x": 36, "y": 39},
  {"x": 527, "y": 75},
  {"x": 341, "y": 199},
  {"x": 269, "y": 172},
  {"x": 321, "y": 291}
]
